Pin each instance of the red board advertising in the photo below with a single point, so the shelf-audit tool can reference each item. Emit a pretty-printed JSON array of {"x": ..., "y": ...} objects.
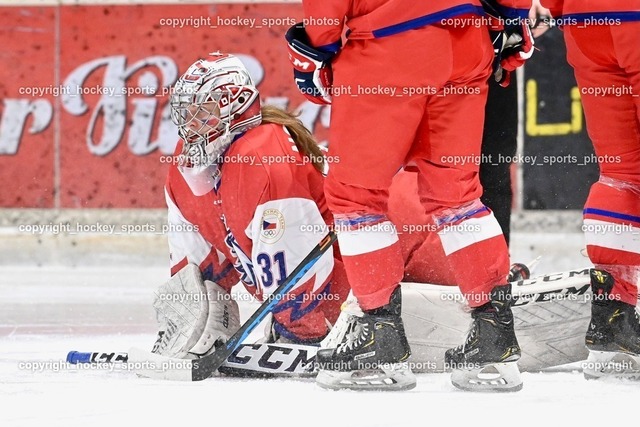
[{"x": 84, "y": 119}]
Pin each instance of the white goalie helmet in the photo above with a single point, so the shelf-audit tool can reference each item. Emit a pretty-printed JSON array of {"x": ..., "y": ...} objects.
[{"x": 211, "y": 103}]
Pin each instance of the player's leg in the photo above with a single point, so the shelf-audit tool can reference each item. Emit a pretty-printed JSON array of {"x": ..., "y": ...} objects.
[
  {"x": 448, "y": 183},
  {"x": 606, "y": 63},
  {"x": 371, "y": 133},
  {"x": 470, "y": 236}
]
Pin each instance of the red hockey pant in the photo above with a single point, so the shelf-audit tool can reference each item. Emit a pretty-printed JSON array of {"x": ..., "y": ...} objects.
[
  {"x": 606, "y": 62},
  {"x": 414, "y": 99}
]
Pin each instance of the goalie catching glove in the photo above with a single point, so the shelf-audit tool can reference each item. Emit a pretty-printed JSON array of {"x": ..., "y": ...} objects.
[
  {"x": 311, "y": 66},
  {"x": 194, "y": 316}
]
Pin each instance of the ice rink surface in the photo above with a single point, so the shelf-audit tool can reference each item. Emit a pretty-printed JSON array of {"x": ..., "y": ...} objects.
[{"x": 48, "y": 310}]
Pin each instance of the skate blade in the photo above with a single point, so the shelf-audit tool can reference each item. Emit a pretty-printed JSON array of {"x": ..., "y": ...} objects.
[
  {"x": 497, "y": 377},
  {"x": 609, "y": 364},
  {"x": 393, "y": 377}
]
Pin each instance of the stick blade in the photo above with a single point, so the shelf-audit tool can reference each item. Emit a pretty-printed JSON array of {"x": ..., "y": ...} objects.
[{"x": 204, "y": 367}]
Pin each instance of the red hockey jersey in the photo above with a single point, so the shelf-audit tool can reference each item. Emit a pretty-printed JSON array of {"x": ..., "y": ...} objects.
[
  {"x": 625, "y": 10},
  {"x": 265, "y": 215},
  {"x": 325, "y": 20}
]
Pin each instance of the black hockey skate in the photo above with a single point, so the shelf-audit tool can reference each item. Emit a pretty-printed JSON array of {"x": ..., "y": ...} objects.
[
  {"x": 487, "y": 359},
  {"x": 613, "y": 335},
  {"x": 372, "y": 355}
]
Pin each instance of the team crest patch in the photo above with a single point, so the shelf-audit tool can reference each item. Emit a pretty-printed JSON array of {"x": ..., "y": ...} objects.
[{"x": 272, "y": 227}]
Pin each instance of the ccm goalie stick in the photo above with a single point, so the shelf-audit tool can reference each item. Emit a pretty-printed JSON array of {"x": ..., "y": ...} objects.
[
  {"x": 247, "y": 361},
  {"x": 203, "y": 368}
]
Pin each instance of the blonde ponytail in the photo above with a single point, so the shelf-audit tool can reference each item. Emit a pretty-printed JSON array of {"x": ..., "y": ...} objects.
[{"x": 302, "y": 137}]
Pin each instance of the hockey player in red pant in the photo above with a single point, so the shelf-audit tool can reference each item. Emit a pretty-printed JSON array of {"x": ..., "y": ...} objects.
[
  {"x": 409, "y": 88},
  {"x": 602, "y": 41}
]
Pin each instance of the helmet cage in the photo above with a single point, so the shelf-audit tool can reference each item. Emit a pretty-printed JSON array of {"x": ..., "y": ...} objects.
[{"x": 214, "y": 101}]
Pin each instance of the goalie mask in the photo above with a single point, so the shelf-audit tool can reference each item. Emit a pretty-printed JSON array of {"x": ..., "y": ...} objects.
[{"x": 212, "y": 103}]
